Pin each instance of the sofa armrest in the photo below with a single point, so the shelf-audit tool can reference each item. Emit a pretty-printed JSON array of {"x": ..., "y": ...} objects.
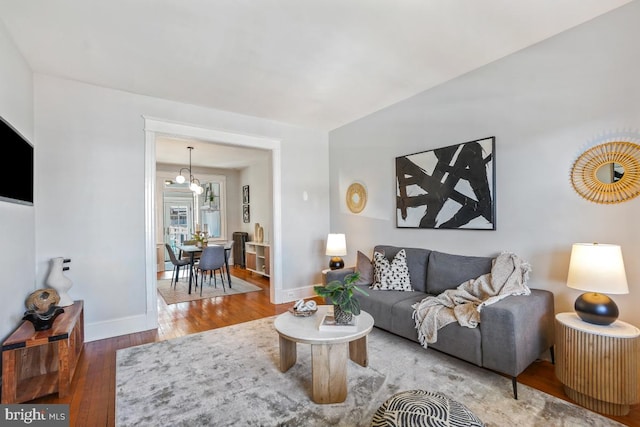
[
  {"x": 338, "y": 274},
  {"x": 516, "y": 331}
]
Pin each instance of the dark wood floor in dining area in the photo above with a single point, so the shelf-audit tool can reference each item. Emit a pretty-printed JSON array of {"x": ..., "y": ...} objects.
[{"x": 92, "y": 397}]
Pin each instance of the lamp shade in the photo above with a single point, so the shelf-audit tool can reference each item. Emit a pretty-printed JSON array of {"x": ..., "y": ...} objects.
[
  {"x": 597, "y": 267},
  {"x": 336, "y": 245}
]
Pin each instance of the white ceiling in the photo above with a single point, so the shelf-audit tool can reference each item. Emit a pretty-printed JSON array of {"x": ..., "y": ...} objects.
[
  {"x": 174, "y": 151},
  {"x": 314, "y": 63}
]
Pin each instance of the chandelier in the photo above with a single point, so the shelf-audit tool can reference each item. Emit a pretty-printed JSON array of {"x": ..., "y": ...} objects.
[{"x": 194, "y": 183}]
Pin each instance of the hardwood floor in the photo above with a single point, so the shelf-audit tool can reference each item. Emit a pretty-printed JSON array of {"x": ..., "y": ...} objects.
[{"x": 92, "y": 398}]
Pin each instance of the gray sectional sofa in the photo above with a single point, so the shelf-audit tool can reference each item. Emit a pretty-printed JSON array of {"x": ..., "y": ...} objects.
[{"x": 512, "y": 333}]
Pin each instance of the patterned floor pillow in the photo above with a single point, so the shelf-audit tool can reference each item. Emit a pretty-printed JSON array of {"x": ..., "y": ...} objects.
[{"x": 423, "y": 408}]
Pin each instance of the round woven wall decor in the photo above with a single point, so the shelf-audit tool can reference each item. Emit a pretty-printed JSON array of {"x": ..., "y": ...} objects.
[
  {"x": 618, "y": 162},
  {"x": 356, "y": 197}
]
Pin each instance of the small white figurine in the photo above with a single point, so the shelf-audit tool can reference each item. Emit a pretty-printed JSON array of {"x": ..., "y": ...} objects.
[{"x": 300, "y": 305}]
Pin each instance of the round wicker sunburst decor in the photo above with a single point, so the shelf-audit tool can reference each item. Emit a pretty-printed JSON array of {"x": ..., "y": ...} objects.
[
  {"x": 621, "y": 155},
  {"x": 356, "y": 197}
]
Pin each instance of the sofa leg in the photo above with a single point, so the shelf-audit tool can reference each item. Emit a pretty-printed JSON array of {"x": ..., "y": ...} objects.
[
  {"x": 553, "y": 355},
  {"x": 514, "y": 382}
]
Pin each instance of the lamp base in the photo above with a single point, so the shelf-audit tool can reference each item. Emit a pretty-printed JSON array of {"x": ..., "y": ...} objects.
[
  {"x": 596, "y": 308},
  {"x": 336, "y": 263}
]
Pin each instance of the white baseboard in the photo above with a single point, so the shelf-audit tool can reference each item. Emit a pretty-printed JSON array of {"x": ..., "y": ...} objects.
[
  {"x": 290, "y": 295},
  {"x": 114, "y": 328}
]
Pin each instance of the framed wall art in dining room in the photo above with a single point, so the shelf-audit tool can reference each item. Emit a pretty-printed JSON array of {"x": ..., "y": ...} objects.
[
  {"x": 246, "y": 214},
  {"x": 448, "y": 188},
  {"x": 245, "y": 194}
]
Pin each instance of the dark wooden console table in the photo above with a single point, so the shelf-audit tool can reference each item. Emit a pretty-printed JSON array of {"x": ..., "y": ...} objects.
[{"x": 37, "y": 363}]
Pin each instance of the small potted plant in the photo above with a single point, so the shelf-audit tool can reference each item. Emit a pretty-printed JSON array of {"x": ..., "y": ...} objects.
[
  {"x": 341, "y": 295},
  {"x": 201, "y": 239}
]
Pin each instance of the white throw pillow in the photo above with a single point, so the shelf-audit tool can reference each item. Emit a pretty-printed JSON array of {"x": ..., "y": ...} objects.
[{"x": 391, "y": 276}]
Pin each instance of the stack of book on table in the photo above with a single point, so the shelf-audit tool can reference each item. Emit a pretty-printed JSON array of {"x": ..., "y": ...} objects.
[{"x": 328, "y": 323}]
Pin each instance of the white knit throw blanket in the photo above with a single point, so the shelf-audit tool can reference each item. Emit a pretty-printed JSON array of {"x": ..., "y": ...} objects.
[{"x": 509, "y": 276}]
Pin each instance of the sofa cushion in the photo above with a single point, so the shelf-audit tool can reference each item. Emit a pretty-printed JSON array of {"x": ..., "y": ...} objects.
[
  {"x": 392, "y": 275},
  {"x": 364, "y": 266},
  {"x": 447, "y": 271},
  {"x": 417, "y": 259},
  {"x": 402, "y": 322},
  {"x": 378, "y": 304},
  {"x": 459, "y": 341}
]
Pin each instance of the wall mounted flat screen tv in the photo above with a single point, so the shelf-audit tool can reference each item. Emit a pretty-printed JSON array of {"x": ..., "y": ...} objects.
[{"x": 18, "y": 165}]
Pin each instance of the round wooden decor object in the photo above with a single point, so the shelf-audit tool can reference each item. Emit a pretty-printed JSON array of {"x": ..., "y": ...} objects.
[
  {"x": 356, "y": 197},
  {"x": 608, "y": 173}
]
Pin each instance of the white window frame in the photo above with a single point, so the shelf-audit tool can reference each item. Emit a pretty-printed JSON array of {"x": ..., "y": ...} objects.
[{"x": 162, "y": 176}]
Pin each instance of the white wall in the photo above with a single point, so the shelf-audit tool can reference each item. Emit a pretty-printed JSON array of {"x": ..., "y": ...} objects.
[
  {"x": 544, "y": 105},
  {"x": 259, "y": 179},
  {"x": 91, "y": 187},
  {"x": 17, "y": 254}
]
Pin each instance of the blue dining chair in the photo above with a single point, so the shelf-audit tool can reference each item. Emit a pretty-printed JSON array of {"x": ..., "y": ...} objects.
[
  {"x": 177, "y": 263},
  {"x": 211, "y": 260}
]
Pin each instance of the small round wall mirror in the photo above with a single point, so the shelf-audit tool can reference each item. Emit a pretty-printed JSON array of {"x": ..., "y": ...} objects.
[{"x": 608, "y": 173}]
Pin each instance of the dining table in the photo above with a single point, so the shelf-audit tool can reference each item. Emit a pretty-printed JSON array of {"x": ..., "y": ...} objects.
[{"x": 192, "y": 250}]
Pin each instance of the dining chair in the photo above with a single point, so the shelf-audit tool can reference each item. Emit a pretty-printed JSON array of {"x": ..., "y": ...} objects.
[
  {"x": 228, "y": 248},
  {"x": 188, "y": 255},
  {"x": 177, "y": 263},
  {"x": 211, "y": 260}
]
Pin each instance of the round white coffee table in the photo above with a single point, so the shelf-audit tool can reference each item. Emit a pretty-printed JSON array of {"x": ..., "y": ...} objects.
[{"x": 329, "y": 351}]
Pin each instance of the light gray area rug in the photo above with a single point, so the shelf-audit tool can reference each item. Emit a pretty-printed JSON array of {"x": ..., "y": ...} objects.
[
  {"x": 181, "y": 292},
  {"x": 230, "y": 377}
]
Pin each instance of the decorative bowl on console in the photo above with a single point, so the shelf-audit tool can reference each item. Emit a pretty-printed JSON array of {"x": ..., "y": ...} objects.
[
  {"x": 42, "y": 308},
  {"x": 43, "y": 321}
]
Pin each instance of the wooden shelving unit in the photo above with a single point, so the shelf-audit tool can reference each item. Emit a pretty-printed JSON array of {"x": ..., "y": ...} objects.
[
  {"x": 37, "y": 363},
  {"x": 257, "y": 257}
]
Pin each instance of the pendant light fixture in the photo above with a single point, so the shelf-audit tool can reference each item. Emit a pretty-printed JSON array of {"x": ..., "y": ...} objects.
[{"x": 194, "y": 183}]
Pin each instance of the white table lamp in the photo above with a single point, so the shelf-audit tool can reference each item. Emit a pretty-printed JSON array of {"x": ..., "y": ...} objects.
[
  {"x": 598, "y": 269},
  {"x": 336, "y": 247}
]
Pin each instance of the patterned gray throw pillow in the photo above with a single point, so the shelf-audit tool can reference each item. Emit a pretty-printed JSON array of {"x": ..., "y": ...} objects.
[
  {"x": 392, "y": 275},
  {"x": 423, "y": 408}
]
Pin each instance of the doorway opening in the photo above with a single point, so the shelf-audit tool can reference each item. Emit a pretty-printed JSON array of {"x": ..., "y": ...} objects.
[{"x": 158, "y": 127}]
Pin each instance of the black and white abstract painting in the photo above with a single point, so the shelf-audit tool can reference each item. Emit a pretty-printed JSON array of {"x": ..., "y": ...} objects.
[{"x": 449, "y": 188}]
